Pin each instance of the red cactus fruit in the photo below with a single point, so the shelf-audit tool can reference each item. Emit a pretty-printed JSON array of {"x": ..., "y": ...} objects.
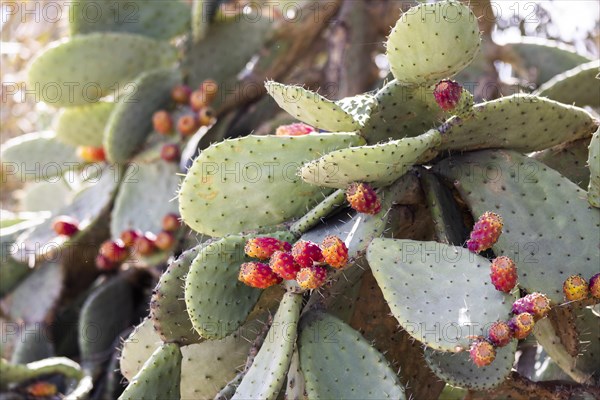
[
  {"x": 264, "y": 247},
  {"x": 164, "y": 240},
  {"x": 503, "y": 274},
  {"x": 91, "y": 154},
  {"x": 145, "y": 244},
  {"x": 104, "y": 264},
  {"x": 485, "y": 233},
  {"x": 206, "y": 116},
  {"x": 129, "y": 237},
  {"x": 482, "y": 353},
  {"x": 258, "y": 275},
  {"x": 181, "y": 94},
  {"x": 187, "y": 125},
  {"x": 170, "y": 152},
  {"x": 306, "y": 253},
  {"x": 283, "y": 264},
  {"x": 499, "y": 334},
  {"x": 594, "y": 286},
  {"x": 575, "y": 288},
  {"x": 297, "y": 129},
  {"x": 41, "y": 389},
  {"x": 335, "y": 252},
  {"x": 537, "y": 304},
  {"x": 362, "y": 198},
  {"x": 209, "y": 88},
  {"x": 521, "y": 325},
  {"x": 447, "y": 94},
  {"x": 311, "y": 277},
  {"x": 65, "y": 225},
  {"x": 162, "y": 122},
  {"x": 114, "y": 251},
  {"x": 170, "y": 222}
]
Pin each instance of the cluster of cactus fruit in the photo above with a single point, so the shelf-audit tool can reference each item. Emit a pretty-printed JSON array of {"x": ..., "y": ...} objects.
[{"x": 409, "y": 213}]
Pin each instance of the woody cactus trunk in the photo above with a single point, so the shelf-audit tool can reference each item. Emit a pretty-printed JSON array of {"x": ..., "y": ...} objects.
[{"x": 225, "y": 231}]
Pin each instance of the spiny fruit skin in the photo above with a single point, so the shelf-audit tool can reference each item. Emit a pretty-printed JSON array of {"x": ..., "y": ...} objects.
[
  {"x": 187, "y": 125},
  {"x": 170, "y": 152},
  {"x": 91, "y": 154},
  {"x": 170, "y": 222},
  {"x": 181, "y": 94},
  {"x": 297, "y": 129},
  {"x": 114, "y": 251},
  {"x": 575, "y": 288},
  {"x": 258, "y": 275},
  {"x": 595, "y": 286},
  {"x": 499, "y": 334},
  {"x": 306, "y": 253},
  {"x": 206, "y": 116},
  {"x": 283, "y": 264},
  {"x": 485, "y": 233},
  {"x": 503, "y": 274},
  {"x": 129, "y": 237},
  {"x": 144, "y": 245},
  {"x": 264, "y": 247},
  {"x": 164, "y": 240},
  {"x": 42, "y": 389},
  {"x": 65, "y": 225},
  {"x": 162, "y": 122},
  {"x": 537, "y": 304},
  {"x": 521, "y": 325},
  {"x": 447, "y": 94},
  {"x": 482, "y": 353},
  {"x": 362, "y": 198},
  {"x": 311, "y": 277},
  {"x": 335, "y": 252},
  {"x": 104, "y": 264}
]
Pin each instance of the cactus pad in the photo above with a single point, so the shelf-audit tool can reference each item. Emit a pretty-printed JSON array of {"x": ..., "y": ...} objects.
[
  {"x": 379, "y": 164},
  {"x": 577, "y": 86},
  {"x": 261, "y": 171},
  {"x": 358, "y": 106},
  {"x": 320, "y": 211},
  {"x": 594, "y": 166},
  {"x": 84, "y": 68},
  {"x": 432, "y": 41},
  {"x": 13, "y": 374},
  {"x": 337, "y": 362},
  {"x": 312, "y": 108},
  {"x": 138, "y": 348},
  {"x": 411, "y": 275},
  {"x": 570, "y": 159},
  {"x": 550, "y": 231},
  {"x": 83, "y": 125},
  {"x": 521, "y": 122},
  {"x": 32, "y": 347}
]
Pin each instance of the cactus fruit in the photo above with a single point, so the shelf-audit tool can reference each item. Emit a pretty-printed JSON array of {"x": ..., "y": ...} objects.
[
  {"x": 363, "y": 198},
  {"x": 311, "y": 277},
  {"x": 575, "y": 288},
  {"x": 521, "y": 325},
  {"x": 162, "y": 122},
  {"x": 104, "y": 264},
  {"x": 210, "y": 89},
  {"x": 114, "y": 251},
  {"x": 41, "y": 389},
  {"x": 447, "y": 94},
  {"x": 181, "y": 94},
  {"x": 297, "y": 129},
  {"x": 594, "y": 286},
  {"x": 206, "y": 116},
  {"x": 482, "y": 353},
  {"x": 164, "y": 240},
  {"x": 65, "y": 226},
  {"x": 485, "y": 233},
  {"x": 499, "y": 334},
  {"x": 171, "y": 222},
  {"x": 306, "y": 253},
  {"x": 536, "y": 304},
  {"x": 284, "y": 265},
  {"x": 335, "y": 252},
  {"x": 91, "y": 154},
  {"x": 187, "y": 125},
  {"x": 264, "y": 247},
  {"x": 145, "y": 244},
  {"x": 129, "y": 237},
  {"x": 503, "y": 274},
  {"x": 258, "y": 275},
  {"x": 197, "y": 100},
  {"x": 170, "y": 152}
]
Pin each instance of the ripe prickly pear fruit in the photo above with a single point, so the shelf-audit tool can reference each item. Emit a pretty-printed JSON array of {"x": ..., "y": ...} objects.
[
  {"x": 594, "y": 286},
  {"x": 283, "y": 264},
  {"x": 209, "y": 88},
  {"x": 521, "y": 325},
  {"x": 162, "y": 122},
  {"x": 104, "y": 264},
  {"x": 206, "y": 116},
  {"x": 187, "y": 125},
  {"x": 503, "y": 274},
  {"x": 170, "y": 152},
  {"x": 164, "y": 240},
  {"x": 114, "y": 251},
  {"x": 485, "y": 233},
  {"x": 482, "y": 353},
  {"x": 447, "y": 94},
  {"x": 499, "y": 334},
  {"x": 91, "y": 154},
  {"x": 537, "y": 304},
  {"x": 144, "y": 244},
  {"x": 297, "y": 129},
  {"x": 575, "y": 288},
  {"x": 129, "y": 237},
  {"x": 362, "y": 198},
  {"x": 198, "y": 100},
  {"x": 170, "y": 222},
  {"x": 335, "y": 252},
  {"x": 258, "y": 275},
  {"x": 41, "y": 389},
  {"x": 306, "y": 253},
  {"x": 181, "y": 94},
  {"x": 65, "y": 225},
  {"x": 264, "y": 247},
  {"x": 311, "y": 277}
]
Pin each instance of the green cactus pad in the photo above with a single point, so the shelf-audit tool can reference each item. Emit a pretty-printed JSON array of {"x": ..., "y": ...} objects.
[
  {"x": 588, "y": 326},
  {"x": 337, "y": 362},
  {"x": 550, "y": 231},
  {"x": 32, "y": 347},
  {"x": 159, "y": 378},
  {"x": 432, "y": 41},
  {"x": 312, "y": 108},
  {"x": 320, "y": 211},
  {"x": 401, "y": 111},
  {"x": 217, "y": 302},
  {"x": 457, "y": 369},
  {"x": 521, "y": 122},
  {"x": 379, "y": 164},
  {"x": 200, "y": 19},
  {"x": 83, "y": 125},
  {"x": 295, "y": 388},
  {"x": 131, "y": 121},
  {"x": 594, "y": 166},
  {"x": 12, "y": 272},
  {"x": 17, "y": 373},
  {"x": 147, "y": 194},
  {"x": 138, "y": 348},
  {"x": 167, "y": 306},
  {"x": 46, "y": 196},
  {"x": 266, "y": 376},
  {"x": 261, "y": 170},
  {"x": 38, "y": 156},
  {"x": 412, "y": 274},
  {"x": 82, "y": 69},
  {"x": 149, "y": 18},
  {"x": 108, "y": 309},
  {"x": 570, "y": 159},
  {"x": 359, "y": 107},
  {"x": 577, "y": 86}
]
